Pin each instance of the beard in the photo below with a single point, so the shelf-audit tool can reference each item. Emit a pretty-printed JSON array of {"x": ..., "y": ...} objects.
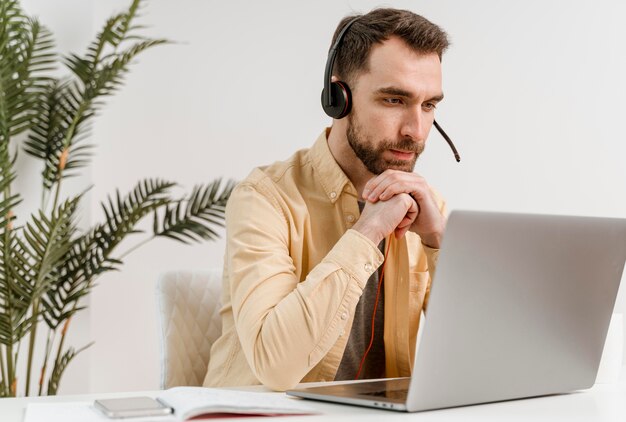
[{"x": 370, "y": 152}]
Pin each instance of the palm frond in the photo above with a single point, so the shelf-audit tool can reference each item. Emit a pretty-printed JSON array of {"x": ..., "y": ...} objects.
[
  {"x": 115, "y": 31},
  {"x": 29, "y": 267},
  {"x": 122, "y": 214},
  {"x": 8, "y": 200},
  {"x": 59, "y": 368},
  {"x": 47, "y": 139},
  {"x": 46, "y": 266},
  {"x": 25, "y": 48},
  {"x": 60, "y": 130},
  {"x": 49, "y": 239},
  {"x": 90, "y": 254},
  {"x": 193, "y": 219},
  {"x": 111, "y": 75},
  {"x": 16, "y": 291},
  {"x": 14, "y": 302}
]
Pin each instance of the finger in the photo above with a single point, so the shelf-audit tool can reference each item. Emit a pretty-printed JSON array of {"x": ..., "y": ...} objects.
[
  {"x": 396, "y": 188},
  {"x": 397, "y": 180},
  {"x": 400, "y": 182},
  {"x": 400, "y": 232},
  {"x": 369, "y": 186},
  {"x": 423, "y": 193},
  {"x": 373, "y": 183},
  {"x": 411, "y": 213},
  {"x": 405, "y": 225},
  {"x": 425, "y": 201},
  {"x": 369, "y": 192},
  {"x": 406, "y": 222}
]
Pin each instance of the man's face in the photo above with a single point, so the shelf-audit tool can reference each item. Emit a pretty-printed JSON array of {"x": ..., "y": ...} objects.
[{"x": 393, "y": 106}]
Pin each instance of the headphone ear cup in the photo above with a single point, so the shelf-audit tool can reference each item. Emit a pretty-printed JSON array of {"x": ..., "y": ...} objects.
[{"x": 342, "y": 100}]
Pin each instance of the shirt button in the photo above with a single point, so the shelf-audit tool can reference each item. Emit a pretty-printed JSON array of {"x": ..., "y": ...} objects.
[
  {"x": 333, "y": 195},
  {"x": 350, "y": 218},
  {"x": 344, "y": 315},
  {"x": 369, "y": 268}
]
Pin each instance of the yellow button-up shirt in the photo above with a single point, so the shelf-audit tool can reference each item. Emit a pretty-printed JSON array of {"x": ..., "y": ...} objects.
[{"x": 294, "y": 272}]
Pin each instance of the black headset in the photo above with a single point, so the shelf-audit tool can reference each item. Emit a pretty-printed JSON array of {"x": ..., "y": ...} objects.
[{"x": 337, "y": 98}]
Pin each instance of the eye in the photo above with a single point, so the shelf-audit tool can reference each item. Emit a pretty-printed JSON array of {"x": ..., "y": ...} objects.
[
  {"x": 392, "y": 101},
  {"x": 430, "y": 106}
]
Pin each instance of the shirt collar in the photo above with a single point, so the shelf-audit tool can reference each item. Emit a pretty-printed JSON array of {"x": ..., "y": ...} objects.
[{"x": 331, "y": 176}]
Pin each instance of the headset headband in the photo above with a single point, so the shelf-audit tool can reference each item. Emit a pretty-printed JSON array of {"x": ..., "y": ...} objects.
[{"x": 332, "y": 55}]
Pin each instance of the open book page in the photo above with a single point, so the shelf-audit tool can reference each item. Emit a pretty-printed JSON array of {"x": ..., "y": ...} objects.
[
  {"x": 194, "y": 401},
  {"x": 77, "y": 412}
]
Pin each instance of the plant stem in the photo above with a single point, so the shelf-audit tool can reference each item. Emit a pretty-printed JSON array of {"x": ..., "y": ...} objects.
[
  {"x": 57, "y": 361},
  {"x": 35, "y": 315},
  {"x": 67, "y": 141},
  {"x": 137, "y": 246},
  {"x": 56, "y": 194},
  {"x": 13, "y": 366},
  {"x": 10, "y": 370},
  {"x": 31, "y": 343},
  {"x": 16, "y": 356},
  {"x": 49, "y": 342},
  {"x": 43, "y": 199},
  {"x": 10, "y": 380},
  {"x": 4, "y": 372}
]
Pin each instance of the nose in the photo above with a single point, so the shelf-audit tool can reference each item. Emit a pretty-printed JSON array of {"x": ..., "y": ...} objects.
[{"x": 416, "y": 124}]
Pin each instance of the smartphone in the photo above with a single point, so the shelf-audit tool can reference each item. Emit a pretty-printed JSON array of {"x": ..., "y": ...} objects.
[{"x": 130, "y": 407}]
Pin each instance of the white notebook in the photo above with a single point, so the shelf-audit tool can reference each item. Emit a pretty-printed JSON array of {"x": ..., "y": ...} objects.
[{"x": 187, "y": 403}]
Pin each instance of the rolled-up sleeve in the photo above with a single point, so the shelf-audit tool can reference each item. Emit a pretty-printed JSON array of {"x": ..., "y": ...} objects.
[{"x": 285, "y": 326}]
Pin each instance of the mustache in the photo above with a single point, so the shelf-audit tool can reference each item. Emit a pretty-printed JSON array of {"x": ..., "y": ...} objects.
[{"x": 405, "y": 144}]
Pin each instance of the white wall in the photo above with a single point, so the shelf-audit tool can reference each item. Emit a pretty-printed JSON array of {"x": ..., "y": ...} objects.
[{"x": 534, "y": 100}]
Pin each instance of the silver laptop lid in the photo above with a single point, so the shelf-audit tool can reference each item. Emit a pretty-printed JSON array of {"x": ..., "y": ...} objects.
[{"x": 519, "y": 307}]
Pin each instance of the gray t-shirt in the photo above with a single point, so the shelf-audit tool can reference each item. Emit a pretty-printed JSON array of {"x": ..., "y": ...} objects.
[{"x": 360, "y": 334}]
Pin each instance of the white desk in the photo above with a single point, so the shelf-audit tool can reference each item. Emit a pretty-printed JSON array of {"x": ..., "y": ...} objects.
[{"x": 603, "y": 402}]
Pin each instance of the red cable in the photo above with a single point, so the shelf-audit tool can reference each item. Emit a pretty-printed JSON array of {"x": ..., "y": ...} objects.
[{"x": 380, "y": 282}]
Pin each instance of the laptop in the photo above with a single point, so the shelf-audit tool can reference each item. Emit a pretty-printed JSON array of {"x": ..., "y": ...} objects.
[{"x": 519, "y": 307}]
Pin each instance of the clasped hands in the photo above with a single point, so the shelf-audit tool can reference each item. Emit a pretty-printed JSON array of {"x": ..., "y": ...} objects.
[{"x": 398, "y": 201}]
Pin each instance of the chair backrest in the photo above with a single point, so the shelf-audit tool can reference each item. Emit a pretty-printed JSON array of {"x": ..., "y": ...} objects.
[{"x": 188, "y": 306}]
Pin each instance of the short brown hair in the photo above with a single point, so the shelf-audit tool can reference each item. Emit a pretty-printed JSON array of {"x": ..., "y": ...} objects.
[{"x": 377, "y": 26}]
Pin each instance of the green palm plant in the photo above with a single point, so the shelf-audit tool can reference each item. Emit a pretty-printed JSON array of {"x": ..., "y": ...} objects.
[{"x": 47, "y": 264}]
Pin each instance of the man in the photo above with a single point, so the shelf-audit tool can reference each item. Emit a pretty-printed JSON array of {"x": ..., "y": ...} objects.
[{"x": 306, "y": 297}]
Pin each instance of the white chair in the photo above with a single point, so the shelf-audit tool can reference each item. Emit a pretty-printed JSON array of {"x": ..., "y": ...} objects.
[{"x": 188, "y": 306}]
